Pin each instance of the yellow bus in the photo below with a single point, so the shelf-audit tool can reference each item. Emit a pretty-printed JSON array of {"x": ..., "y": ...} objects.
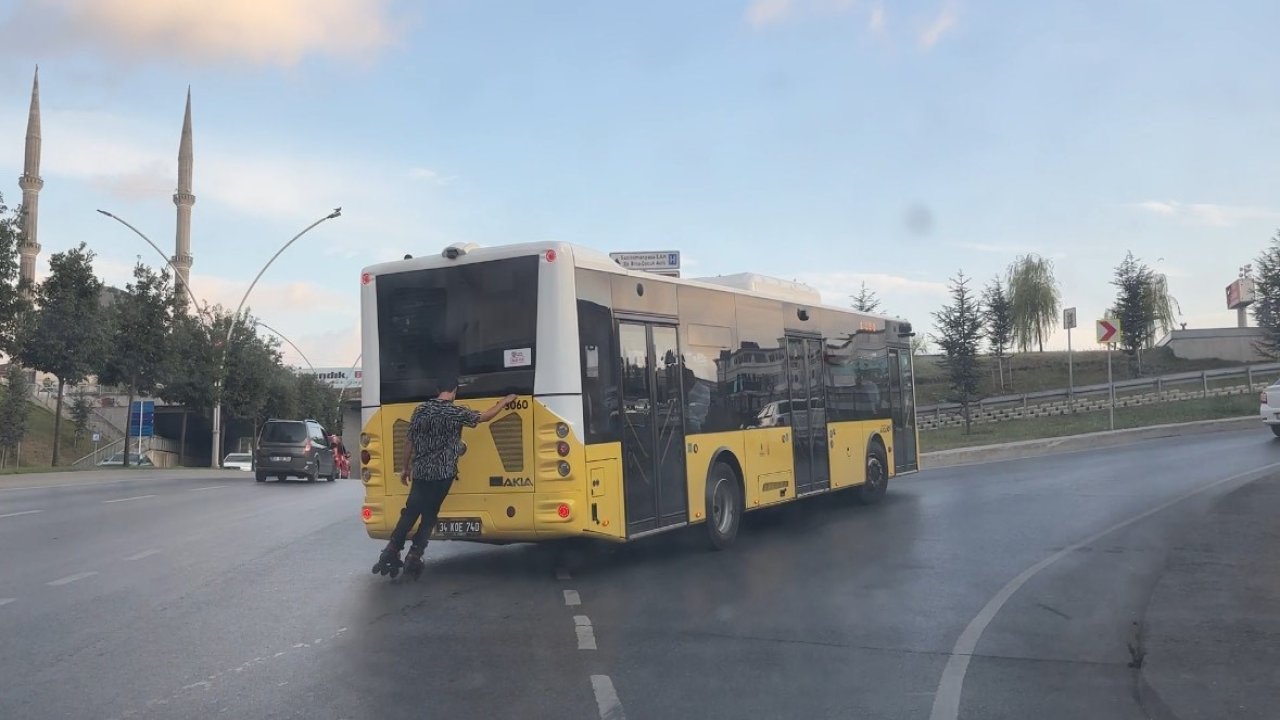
[{"x": 645, "y": 403}]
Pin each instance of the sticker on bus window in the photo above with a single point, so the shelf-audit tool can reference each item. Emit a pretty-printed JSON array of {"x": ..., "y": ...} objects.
[
  {"x": 593, "y": 361},
  {"x": 522, "y": 357}
]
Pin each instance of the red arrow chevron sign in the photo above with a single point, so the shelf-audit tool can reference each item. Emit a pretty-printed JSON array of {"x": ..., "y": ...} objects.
[{"x": 1108, "y": 332}]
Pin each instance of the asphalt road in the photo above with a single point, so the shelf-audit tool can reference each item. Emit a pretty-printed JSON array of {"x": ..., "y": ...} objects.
[{"x": 1010, "y": 590}]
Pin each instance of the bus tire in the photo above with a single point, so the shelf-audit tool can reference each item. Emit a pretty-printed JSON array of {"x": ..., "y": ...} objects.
[
  {"x": 724, "y": 505},
  {"x": 871, "y": 491}
]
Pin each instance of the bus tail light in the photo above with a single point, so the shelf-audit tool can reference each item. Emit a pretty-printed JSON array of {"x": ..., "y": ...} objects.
[
  {"x": 364, "y": 457},
  {"x": 563, "y": 469},
  {"x": 563, "y": 510},
  {"x": 367, "y": 514},
  {"x": 562, "y": 430},
  {"x": 562, "y": 448}
]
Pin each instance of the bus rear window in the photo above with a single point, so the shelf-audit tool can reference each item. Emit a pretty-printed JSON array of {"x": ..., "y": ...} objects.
[{"x": 475, "y": 321}]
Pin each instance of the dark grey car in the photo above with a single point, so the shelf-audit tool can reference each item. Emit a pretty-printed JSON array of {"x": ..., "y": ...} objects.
[{"x": 293, "y": 448}]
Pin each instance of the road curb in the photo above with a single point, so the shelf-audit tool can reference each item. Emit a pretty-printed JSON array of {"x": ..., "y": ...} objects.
[
  {"x": 12, "y": 481},
  {"x": 1070, "y": 443}
]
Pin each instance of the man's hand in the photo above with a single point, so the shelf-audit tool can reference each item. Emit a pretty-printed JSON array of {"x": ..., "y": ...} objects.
[
  {"x": 404, "y": 477},
  {"x": 507, "y": 400}
]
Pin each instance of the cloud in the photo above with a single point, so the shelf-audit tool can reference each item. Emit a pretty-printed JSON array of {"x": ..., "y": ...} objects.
[
  {"x": 876, "y": 19},
  {"x": 941, "y": 24},
  {"x": 996, "y": 248},
  {"x": 1207, "y": 213},
  {"x": 768, "y": 12},
  {"x": 836, "y": 287},
  {"x": 262, "y": 32},
  {"x": 427, "y": 175}
]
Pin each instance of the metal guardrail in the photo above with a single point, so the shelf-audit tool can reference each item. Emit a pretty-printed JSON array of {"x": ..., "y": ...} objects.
[{"x": 1249, "y": 373}]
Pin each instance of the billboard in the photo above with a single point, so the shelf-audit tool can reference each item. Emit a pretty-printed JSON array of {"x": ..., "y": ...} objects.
[
  {"x": 664, "y": 262},
  {"x": 338, "y": 378},
  {"x": 1240, "y": 293},
  {"x": 142, "y": 418}
]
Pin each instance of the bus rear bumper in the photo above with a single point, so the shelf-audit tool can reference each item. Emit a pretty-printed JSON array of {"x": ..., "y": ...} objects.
[{"x": 504, "y": 517}]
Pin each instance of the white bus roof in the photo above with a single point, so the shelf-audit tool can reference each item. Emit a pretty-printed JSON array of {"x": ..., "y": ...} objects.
[{"x": 584, "y": 257}]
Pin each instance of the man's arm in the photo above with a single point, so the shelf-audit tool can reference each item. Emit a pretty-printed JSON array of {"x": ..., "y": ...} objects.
[
  {"x": 492, "y": 412},
  {"x": 406, "y": 467}
]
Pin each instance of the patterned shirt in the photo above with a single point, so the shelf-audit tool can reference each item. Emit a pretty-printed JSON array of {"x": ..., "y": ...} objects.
[{"x": 435, "y": 433}]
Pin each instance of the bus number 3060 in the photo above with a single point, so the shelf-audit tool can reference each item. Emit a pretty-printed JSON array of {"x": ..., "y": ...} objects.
[{"x": 516, "y": 405}]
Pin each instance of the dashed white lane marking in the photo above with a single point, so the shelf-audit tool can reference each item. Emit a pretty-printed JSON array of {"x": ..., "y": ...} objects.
[
  {"x": 72, "y": 578},
  {"x": 135, "y": 497},
  {"x": 143, "y": 554},
  {"x": 6, "y": 601},
  {"x": 571, "y": 598},
  {"x": 946, "y": 702},
  {"x": 607, "y": 698},
  {"x": 586, "y": 634},
  {"x": 210, "y": 487},
  {"x": 24, "y": 512},
  {"x": 562, "y": 574}
]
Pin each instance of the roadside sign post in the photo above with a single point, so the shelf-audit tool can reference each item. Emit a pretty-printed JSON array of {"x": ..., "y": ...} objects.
[
  {"x": 1109, "y": 334},
  {"x": 1069, "y": 322},
  {"x": 97, "y": 438}
]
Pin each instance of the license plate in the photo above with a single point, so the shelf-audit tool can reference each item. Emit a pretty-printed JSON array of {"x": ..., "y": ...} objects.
[
  {"x": 457, "y": 527},
  {"x": 280, "y": 458}
]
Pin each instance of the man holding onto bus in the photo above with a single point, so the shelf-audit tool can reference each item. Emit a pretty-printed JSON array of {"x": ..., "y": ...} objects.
[{"x": 430, "y": 465}]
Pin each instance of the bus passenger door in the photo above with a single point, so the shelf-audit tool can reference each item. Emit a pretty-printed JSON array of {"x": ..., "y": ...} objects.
[
  {"x": 902, "y": 399},
  {"x": 653, "y": 467},
  {"x": 807, "y": 415}
]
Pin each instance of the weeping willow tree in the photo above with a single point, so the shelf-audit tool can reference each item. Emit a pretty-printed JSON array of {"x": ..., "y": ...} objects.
[
  {"x": 1164, "y": 309},
  {"x": 1034, "y": 300}
]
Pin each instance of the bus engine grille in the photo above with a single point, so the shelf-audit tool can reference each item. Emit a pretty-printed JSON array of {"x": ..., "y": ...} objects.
[{"x": 508, "y": 438}]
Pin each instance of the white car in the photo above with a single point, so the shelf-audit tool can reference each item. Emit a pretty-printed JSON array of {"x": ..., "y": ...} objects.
[
  {"x": 238, "y": 461},
  {"x": 1271, "y": 407}
]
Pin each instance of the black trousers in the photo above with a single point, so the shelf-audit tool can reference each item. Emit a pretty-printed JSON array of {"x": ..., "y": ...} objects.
[{"x": 425, "y": 499}]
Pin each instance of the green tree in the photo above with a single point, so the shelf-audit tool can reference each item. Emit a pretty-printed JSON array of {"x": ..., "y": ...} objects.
[
  {"x": 64, "y": 335},
  {"x": 997, "y": 319},
  {"x": 1134, "y": 309},
  {"x": 865, "y": 300},
  {"x": 1266, "y": 305},
  {"x": 282, "y": 396},
  {"x": 318, "y": 400},
  {"x": 81, "y": 410},
  {"x": 251, "y": 363},
  {"x": 12, "y": 303},
  {"x": 14, "y": 408},
  {"x": 192, "y": 366},
  {"x": 960, "y": 336},
  {"x": 139, "y": 320},
  {"x": 1034, "y": 300}
]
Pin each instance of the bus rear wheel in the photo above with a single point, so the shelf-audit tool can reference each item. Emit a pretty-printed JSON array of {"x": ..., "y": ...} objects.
[
  {"x": 724, "y": 506},
  {"x": 871, "y": 491}
]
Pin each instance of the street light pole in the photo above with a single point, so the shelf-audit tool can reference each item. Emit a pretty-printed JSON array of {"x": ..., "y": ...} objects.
[
  {"x": 282, "y": 337},
  {"x": 215, "y": 460},
  {"x": 195, "y": 303}
]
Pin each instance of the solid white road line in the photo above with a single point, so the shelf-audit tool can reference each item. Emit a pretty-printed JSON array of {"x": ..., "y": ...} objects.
[
  {"x": 24, "y": 512},
  {"x": 946, "y": 703},
  {"x": 211, "y": 487},
  {"x": 143, "y": 554},
  {"x": 571, "y": 598},
  {"x": 586, "y": 635},
  {"x": 72, "y": 578},
  {"x": 6, "y": 601},
  {"x": 607, "y": 698},
  {"x": 135, "y": 497}
]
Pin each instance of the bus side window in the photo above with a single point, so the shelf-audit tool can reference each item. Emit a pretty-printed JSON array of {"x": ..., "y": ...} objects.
[{"x": 599, "y": 359}]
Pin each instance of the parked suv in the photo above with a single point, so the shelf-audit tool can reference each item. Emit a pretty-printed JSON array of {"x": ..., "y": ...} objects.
[{"x": 293, "y": 448}]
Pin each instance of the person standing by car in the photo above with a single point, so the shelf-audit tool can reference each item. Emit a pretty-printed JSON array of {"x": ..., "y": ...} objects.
[{"x": 430, "y": 466}]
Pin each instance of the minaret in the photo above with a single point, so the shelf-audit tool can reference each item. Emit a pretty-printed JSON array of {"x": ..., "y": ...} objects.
[
  {"x": 31, "y": 183},
  {"x": 184, "y": 200}
]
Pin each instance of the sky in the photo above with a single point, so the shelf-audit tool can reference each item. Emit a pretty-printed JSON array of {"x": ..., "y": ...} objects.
[{"x": 832, "y": 142}]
